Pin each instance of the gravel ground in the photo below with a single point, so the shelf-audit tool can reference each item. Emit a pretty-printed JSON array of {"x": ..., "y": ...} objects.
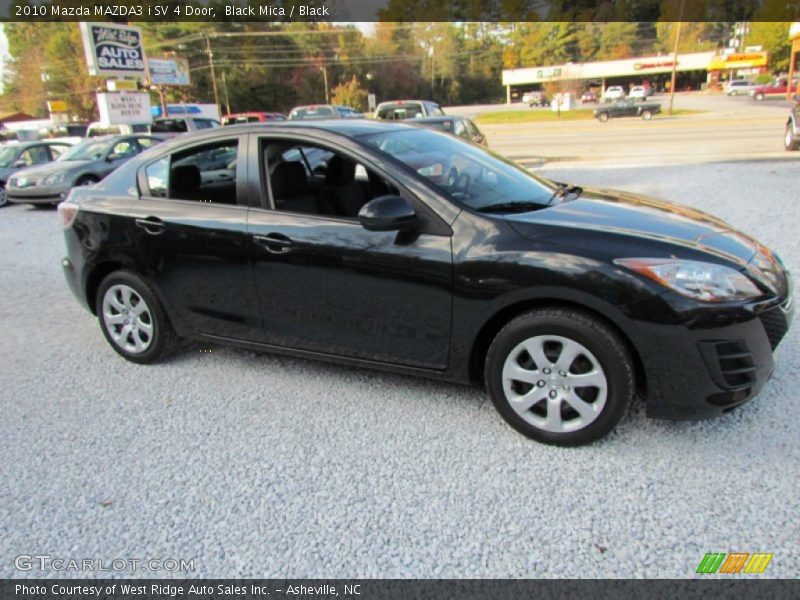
[{"x": 256, "y": 465}]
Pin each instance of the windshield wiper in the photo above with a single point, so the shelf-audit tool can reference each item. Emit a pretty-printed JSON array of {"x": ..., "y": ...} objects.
[
  {"x": 520, "y": 206},
  {"x": 563, "y": 189}
]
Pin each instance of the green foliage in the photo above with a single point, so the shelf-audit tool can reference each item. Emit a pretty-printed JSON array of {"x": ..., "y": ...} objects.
[{"x": 350, "y": 94}]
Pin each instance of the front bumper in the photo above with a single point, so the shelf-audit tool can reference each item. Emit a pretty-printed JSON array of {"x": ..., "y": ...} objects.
[
  {"x": 36, "y": 194},
  {"x": 703, "y": 372}
]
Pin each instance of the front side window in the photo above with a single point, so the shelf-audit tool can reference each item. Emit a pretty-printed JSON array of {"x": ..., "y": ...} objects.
[
  {"x": 313, "y": 180},
  {"x": 203, "y": 174},
  {"x": 146, "y": 142},
  {"x": 124, "y": 149},
  {"x": 466, "y": 173},
  {"x": 35, "y": 155}
]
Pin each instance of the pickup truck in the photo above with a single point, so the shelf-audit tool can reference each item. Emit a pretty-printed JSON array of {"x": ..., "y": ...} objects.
[
  {"x": 627, "y": 108},
  {"x": 777, "y": 87}
]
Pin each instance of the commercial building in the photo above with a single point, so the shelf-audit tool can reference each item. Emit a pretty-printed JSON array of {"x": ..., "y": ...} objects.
[{"x": 694, "y": 71}]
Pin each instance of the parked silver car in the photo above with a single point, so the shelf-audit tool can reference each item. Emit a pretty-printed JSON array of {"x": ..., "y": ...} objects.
[
  {"x": 84, "y": 164},
  {"x": 15, "y": 157}
]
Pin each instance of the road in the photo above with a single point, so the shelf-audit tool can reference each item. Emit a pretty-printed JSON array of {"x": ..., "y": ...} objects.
[
  {"x": 735, "y": 128},
  {"x": 256, "y": 465}
]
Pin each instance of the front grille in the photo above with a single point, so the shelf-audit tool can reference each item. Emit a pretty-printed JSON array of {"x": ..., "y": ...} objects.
[{"x": 775, "y": 325}]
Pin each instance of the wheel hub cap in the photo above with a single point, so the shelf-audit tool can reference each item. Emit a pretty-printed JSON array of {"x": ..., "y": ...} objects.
[
  {"x": 127, "y": 319},
  {"x": 554, "y": 383}
]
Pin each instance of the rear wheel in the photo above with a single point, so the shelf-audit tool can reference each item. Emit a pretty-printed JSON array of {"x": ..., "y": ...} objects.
[
  {"x": 647, "y": 115},
  {"x": 788, "y": 141},
  {"x": 132, "y": 319},
  {"x": 3, "y": 197},
  {"x": 602, "y": 117},
  {"x": 560, "y": 377}
]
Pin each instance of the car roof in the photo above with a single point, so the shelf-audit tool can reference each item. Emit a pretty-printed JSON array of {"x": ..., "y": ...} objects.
[{"x": 346, "y": 127}]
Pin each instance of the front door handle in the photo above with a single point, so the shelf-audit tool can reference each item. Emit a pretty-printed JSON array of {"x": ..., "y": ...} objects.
[
  {"x": 151, "y": 225},
  {"x": 276, "y": 243}
]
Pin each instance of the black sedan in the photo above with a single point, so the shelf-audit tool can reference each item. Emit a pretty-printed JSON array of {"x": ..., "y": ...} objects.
[
  {"x": 628, "y": 108},
  {"x": 458, "y": 126},
  {"x": 410, "y": 250}
]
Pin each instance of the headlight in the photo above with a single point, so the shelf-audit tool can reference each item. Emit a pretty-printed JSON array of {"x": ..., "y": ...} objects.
[
  {"x": 699, "y": 280},
  {"x": 53, "y": 179}
]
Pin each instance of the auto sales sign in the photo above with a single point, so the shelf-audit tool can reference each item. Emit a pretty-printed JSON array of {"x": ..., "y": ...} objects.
[{"x": 113, "y": 49}]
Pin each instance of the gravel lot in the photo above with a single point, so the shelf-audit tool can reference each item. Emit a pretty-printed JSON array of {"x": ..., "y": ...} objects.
[{"x": 256, "y": 465}]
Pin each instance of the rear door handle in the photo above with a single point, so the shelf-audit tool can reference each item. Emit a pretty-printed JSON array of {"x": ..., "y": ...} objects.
[
  {"x": 151, "y": 225},
  {"x": 276, "y": 243}
]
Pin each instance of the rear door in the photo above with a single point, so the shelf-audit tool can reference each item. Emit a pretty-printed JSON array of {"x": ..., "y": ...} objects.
[{"x": 190, "y": 230}]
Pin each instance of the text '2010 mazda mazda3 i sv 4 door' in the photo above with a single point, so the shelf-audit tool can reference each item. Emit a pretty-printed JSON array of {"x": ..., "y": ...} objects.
[{"x": 407, "y": 249}]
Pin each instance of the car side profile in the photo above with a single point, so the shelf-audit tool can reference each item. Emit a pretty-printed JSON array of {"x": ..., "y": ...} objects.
[
  {"x": 627, "y": 108},
  {"x": 82, "y": 165},
  {"x": 406, "y": 249}
]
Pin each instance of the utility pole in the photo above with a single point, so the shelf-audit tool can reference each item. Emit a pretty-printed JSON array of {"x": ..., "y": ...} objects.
[
  {"x": 213, "y": 72},
  {"x": 225, "y": 90},
  {"x": 324, "y": 69},
  {"x": 675, "y": 59}
]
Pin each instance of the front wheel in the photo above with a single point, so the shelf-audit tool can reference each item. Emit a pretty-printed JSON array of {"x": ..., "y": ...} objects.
[
  {"x": 647, "y": 115},
  {"x": 132, "y": 319},
  {"x": 759, "y": 96},
  {"x": 788, "y": 141},
  {"x": 560, "y": 377},
  {"x": 602, "y": 117}
]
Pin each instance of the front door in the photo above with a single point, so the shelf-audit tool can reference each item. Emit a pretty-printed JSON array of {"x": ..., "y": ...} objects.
[{"x": 328, "y": 285}]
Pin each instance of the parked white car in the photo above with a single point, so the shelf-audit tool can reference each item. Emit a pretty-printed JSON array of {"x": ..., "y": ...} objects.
[
  {"x": 739, "y": 86},
  {"x": 638, "y": 92},
  {"x": 615, "y": 92}
]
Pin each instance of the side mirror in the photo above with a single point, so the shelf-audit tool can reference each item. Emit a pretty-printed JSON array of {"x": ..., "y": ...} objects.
[{"x": 387, "y": 213}]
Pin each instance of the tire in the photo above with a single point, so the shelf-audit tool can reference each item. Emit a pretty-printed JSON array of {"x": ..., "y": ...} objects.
[
  {"x": 647, "y": 115},
  {"x": 759, "y": 96},
  {"x": 602, "y": 117},
  {"x": 122, "y": 291},
  {"x": 3, "y": 196},
  {"x": 599, "y": 353},
  {"x": 788, "y": 140},
  {"x": 86, "y": 180}
]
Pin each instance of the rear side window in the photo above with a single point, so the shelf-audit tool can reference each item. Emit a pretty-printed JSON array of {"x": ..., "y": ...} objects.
[
  {"x": 202, "y": 174},
  {"x": 205, "y": 123}
]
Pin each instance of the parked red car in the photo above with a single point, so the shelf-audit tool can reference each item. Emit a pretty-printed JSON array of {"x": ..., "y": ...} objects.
[{"x": 252, "y": 117}]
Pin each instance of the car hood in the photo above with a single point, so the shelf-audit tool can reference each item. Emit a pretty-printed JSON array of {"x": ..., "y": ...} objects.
[{"x": 646, "y": 218}]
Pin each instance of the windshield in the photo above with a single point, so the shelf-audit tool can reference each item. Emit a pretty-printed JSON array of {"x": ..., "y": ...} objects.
[
  {"x": 86, "y": 151},
  {"x": 467, "y": 173},
  {"x": 7, "y": 156}
]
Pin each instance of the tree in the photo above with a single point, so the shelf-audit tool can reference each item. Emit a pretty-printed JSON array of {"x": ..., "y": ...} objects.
[{"x": 350, "y": 94}]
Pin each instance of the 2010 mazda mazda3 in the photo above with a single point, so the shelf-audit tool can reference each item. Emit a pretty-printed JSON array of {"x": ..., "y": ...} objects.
[{"x": 391, "y": 246}]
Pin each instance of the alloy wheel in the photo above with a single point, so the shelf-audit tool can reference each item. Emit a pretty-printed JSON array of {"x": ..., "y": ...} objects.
[
  {"x": 127, "y": 319},
  {"x": 554, "y": 383}
]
